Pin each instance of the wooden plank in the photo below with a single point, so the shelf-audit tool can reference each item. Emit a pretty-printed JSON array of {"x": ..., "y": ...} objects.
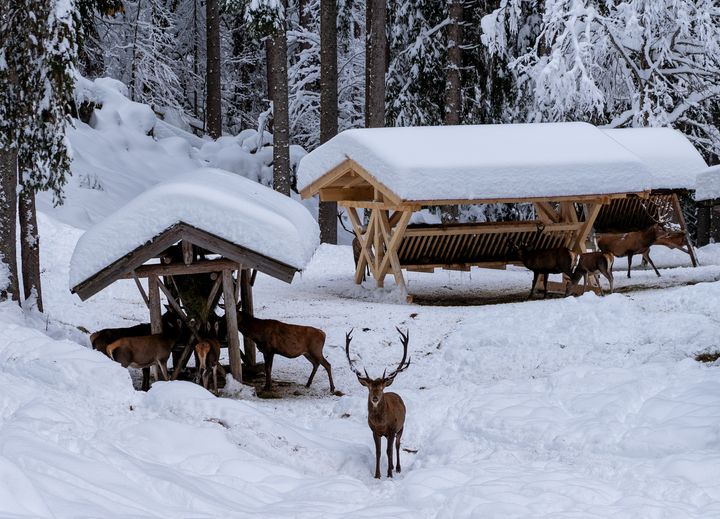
[
  {"x": 359, "y": 204},
  {"x": 546, "y": 212},
  {"x": 397, "y": 234},
  {"x": 180, "y": 269},
  {"x": 591, "y": 213},
  {"x": 232, "y": 328},
  {"x": 238, "y": 254},
  {"x": 328, "y": 178},
  {"x": 154, "y": 304},
  {"x": 213, "y": 293},
  {"x": 131, "y": 261},
  {"x": 358, "y": 193},
  {"x": 681, "y": 220},
  {"x": 247, "y": 308},
  {"x": 501, "y": 227},
  {"x": 141, "y": 289},
  {"x": 360, "y": 235},
  {"x": 187, "y": 252}
]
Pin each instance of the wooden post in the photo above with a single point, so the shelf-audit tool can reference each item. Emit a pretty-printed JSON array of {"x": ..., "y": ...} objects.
[
  {"x": 154, "y": 304},
  {"x": 681, "y": 220},
  {"x": 247, "y": 308},
  {"x": 232, "y": 328}
]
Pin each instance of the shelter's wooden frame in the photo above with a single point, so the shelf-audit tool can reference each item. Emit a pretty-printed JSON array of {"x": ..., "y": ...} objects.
[
  {"x": 234, "y": 273},
  {"x": 626, "y": 215},
  {"x": 389, "y": 244}
]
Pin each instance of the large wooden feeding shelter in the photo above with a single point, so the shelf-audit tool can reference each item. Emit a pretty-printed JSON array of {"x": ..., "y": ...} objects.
[
  {"x": 568, "y": 171},
  {"x": 195, "y": 238},
  {"x": 707, "y": 197},
  {"x": 673, "y": 163}
]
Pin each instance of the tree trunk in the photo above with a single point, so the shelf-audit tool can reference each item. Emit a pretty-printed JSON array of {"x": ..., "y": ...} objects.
[
  {"x": 213, "y": 108},
  {"x": 453, "y": 93},
  {"x": 8, "y": 229},
  {"x": 277, "y": 65},
  {"x": 328, "y": 105},
  {"x": 375, "y": 61},
  {"x": 30, "y": 248}
]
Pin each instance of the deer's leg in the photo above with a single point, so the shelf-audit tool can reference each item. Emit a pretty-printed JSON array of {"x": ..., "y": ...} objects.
[
  {"x": 390, "y": 441},
  {"x": 646, "y": 255},
  {"x": 146, "y": 379},
  {"x": 268, "y": 370},
  {"x": 629, "y": 264},
  {"x": 315, "y": 365},
  {"x": 326, "y": 365},
  {"x": 536, "y": 275},
  {"x": 397, "y": 450},
  {"x": 377, "y": 455}
]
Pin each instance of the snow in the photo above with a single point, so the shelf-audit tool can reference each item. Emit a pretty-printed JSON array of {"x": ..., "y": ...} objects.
[
  {"x": 484, "y": 161},
  {"x": 708, "y": 184},
  {"x": 577, "y": 407},
  {"x": 221, "y": 203},
  {"x": 671, "y": 158}
]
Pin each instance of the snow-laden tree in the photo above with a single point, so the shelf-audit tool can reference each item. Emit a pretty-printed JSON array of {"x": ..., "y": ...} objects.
[
  {"x": 37, "y": 78},
  {"x": 622, "y": 63}
]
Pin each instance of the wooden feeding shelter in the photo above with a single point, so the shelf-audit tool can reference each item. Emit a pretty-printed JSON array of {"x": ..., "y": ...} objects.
[
  {"x": 674, "y": 164},
  {"x": 194, "y": 239},
  {"x": 707, "y": 197},
  {"x": 567, "y": 171}
]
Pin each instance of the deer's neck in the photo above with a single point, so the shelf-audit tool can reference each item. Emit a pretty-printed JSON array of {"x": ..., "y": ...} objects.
[{"x": 376, "y": 413}]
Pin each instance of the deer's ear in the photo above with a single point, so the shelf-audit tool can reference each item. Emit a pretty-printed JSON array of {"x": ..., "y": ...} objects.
[
  {"x": 363, "y": 381},
  {"x": 388, "y": 381}
]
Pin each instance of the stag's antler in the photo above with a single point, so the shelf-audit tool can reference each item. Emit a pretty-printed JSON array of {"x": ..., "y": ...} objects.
[
  {"x": 404, "y": 339},
  {"x": 348, "y": 338}
]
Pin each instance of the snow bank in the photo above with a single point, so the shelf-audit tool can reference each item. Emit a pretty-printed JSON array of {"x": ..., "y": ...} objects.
[
  {"x": 485, "y": 161},
  {"x": 708, "y": 184},
  {"x": 124, "y": 149},
  {"x": 671, "y": 158},
  {"x": 226, "y": 205}
]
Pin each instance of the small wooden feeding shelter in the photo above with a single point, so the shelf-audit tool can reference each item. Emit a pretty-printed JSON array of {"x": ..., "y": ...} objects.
[
  {"x": 211, "y": 226},
  {"x": 568, "y": 171},
  {"x": 707, "y": 197},
  {"x": 673, "y": 163}
]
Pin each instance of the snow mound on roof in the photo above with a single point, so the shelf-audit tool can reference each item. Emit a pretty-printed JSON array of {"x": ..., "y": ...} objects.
[
  {"x": 708, "y": 184},
  {"x": 125, "y": 149},
  {"x": 484, "y": 161},
  {"x": 671, "y": 158},
  {"x": 221, "y": 203}
]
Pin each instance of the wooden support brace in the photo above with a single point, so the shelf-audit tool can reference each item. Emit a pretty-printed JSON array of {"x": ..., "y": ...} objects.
[
  {"x": 232, "y": 328},
  {"x": 247, "y": 308},
  {"x": 681, "y": 220},
  {"x": 141, "y": 289}
]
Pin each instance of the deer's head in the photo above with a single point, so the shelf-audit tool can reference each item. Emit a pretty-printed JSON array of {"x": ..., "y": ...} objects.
[{"x": 376, "y": 386}]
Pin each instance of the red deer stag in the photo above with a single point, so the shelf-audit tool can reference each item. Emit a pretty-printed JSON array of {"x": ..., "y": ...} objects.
[
  {"x": 559, "y": 260},
  {"x": 145, "y": 351},
  {"x": 288, "y": 340},
  {"x": 386, "y": 411},
  {"x": 592, "y": 264},
  {"x": 630, "y": 243}
]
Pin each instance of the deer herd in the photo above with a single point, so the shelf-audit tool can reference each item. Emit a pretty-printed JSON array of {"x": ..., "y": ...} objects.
[{"x": 137, "y": 347}]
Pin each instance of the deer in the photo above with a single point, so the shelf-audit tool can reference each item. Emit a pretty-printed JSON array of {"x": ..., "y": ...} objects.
[
  {"x": 207, "y": 355},
  {"x": 386, "y": 411},
  {"x": 590, "y": 264},
  {"x": 287, "y": 340},
  {"x": 143, "y": 352},
  {"x": 630, "y": 243},
  {"x": 559, "y": 260}
]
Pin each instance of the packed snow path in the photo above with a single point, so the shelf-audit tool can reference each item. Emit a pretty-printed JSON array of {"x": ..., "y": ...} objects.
[{"x": 578, "y": 407}]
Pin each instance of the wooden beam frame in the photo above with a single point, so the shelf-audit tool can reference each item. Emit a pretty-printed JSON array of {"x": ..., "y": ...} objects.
[{"x": 232, "y": 327}]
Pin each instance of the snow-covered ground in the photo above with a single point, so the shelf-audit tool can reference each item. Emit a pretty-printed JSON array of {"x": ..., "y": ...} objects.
[{"x": 577, "y": 407}]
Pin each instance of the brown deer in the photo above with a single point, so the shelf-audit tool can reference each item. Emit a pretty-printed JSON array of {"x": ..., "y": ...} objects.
[
  {"x": 559, "y": 260},
  {"x": 208, "y": 354},
  {"x": 288, "y": 340},
  {"x": 145, "y": 351},
  {"x": 592, "y": 264},
  {"x": 386, "y": 411},
  {"x": 674, "y": 240},
  {"x": 101, "y": 339},
  {"x": 630, "y": 243}
]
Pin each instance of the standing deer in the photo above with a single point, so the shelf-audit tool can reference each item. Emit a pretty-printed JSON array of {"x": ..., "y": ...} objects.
[
  {"x": 592, "y": 263},
  {"x": 356, "y": 248},
  {"x": 208, "y": 354},
  {"x": 631, "y": 243},
  {"x": 288, "y": 340},
  {"x": 559, "y": 260},
  {"x": 386, "y": 411},
  {"x": 145, "y": 351}
]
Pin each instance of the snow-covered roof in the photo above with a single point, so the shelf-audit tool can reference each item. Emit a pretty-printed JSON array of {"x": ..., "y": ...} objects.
[
  {"x": 708, "y": 184},
  {"x": 671, "y": 158},
  {"x": 224, "y": 204},
  {"x": 503, "y": 161}
]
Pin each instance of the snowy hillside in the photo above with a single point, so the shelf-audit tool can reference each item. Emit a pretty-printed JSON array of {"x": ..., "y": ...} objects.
[{"x": 124, "y": 149}]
